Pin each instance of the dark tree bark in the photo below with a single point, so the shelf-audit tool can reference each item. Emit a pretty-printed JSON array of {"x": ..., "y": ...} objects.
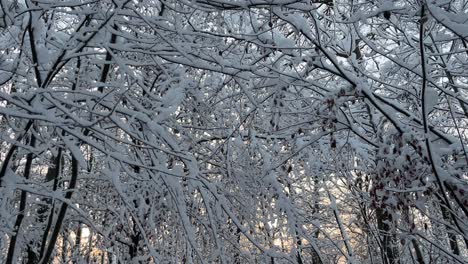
[
  {"x": 53, "y": 173},
  {"x": 62, "y": 213},
  {"x": 389, "y": 243},
  {"x": 22, "y": 206}
]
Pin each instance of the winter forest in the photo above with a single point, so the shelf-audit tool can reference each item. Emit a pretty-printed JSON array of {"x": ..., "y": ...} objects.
[{"x": 234, "y": 131}]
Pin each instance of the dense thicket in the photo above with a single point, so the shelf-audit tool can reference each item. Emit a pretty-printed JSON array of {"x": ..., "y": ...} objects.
[{"x": 234, "y": 131}]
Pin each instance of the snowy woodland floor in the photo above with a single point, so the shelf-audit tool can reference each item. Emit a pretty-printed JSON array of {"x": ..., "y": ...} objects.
[{"x": 234, "y": 131}]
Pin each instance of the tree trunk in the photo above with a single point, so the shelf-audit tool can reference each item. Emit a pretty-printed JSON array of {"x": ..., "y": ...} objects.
[
  {"x": 22, "y": 206},
  {"x": 62, "y": 212},
  {"x": 389, "y": 250},
  {"x": 90, "y": 247},
  {"x": 52, "y": 174},
  {"x": 77, "y": 251},
  {"x": 64, "y": 246}
]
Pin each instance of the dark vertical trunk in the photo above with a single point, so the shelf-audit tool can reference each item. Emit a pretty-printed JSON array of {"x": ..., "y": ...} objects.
[
  {"x": 32, "y": 256},
  {"x": 109, "y": 257},
  {"x": 237, "y": 258},
  {"x": 414, "y": 242},
  {"x": 10, "y": 154},
  {"x": 103, "y": 258},
  {"x": 78, "y": 240},
  {"x": 90, "y": 247},
  {"x": 417, "y": 250},
  {"x": 389, "y": 246},
  {"x": 22, "y": 206},
  {"x": 62, "y": 212},
  {"x": 106, "y": 68},
  {"x": 64, "y": 246},
  {"x": 133, "y": 249},
  {"x": 53, "y": 173},
  {"x": 299, "y": 248},
  {"x": 315, "y": 255},
  {"x": 135, "y": 236}
]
